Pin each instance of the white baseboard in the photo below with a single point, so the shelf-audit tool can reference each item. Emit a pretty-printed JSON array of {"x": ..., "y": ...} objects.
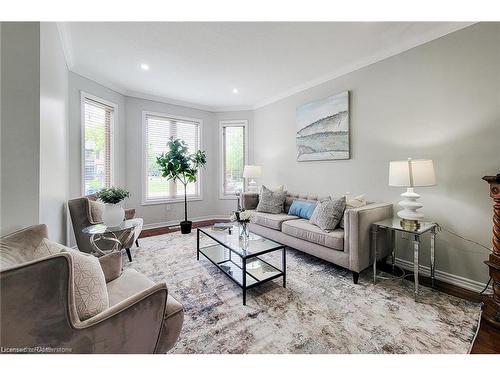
[
  {"x": 177, "y": 221},
  {"x": 459, "y": 281}
]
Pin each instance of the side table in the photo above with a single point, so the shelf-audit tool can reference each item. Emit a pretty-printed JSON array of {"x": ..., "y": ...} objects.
[
  {"x": 394, "y": 226},
  {"x": 118, "y": 236}
]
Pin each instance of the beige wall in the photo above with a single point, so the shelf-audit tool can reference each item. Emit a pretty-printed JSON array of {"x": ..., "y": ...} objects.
[
  {"x": 53, "y": 132},
  {"x": 20, "y": 132},
  {"x": 439, "y": 101}
]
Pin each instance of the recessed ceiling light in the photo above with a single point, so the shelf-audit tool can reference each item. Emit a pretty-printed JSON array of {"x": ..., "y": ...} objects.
[
  {"x": 235, "y": 91},
  {"x": 144, "y": 66}
]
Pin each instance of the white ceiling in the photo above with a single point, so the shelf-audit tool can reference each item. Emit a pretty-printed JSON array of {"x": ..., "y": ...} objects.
[{"x": 199, "y": 64}]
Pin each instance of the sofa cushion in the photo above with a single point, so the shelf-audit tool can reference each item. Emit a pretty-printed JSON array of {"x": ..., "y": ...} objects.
[
  {"x": 353, "y": 202},
  {"x": 95, "y": 210},
  {"x": 328, "y": 214},
  {"x": 304, "y": 230},
  {"x": 273, "y": 221},
  {"x": 270, "y": 201},
  {"x": 290, "y": 197},
  {"x": 303, "y": 209},
  {"x": 91, "y": 295}
]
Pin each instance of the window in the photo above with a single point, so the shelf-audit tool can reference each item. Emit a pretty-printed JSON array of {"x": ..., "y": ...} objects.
[
  {"x": 97, "y": 148},
  {"x": 158, "y": 128},
  {"x": 234, "y": 152}
]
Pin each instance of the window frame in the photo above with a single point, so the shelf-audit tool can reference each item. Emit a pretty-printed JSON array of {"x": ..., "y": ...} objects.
[
  {"x": 144, "y": 199},
  {"x": 83, "y": 96},
  {"x": 223, "y": 124}
]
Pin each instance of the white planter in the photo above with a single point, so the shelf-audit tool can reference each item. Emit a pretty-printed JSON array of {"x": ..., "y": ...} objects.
[{"x": 113, "y": 214}]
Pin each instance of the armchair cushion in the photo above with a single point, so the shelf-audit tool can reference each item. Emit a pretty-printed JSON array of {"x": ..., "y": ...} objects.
[
  {"x": 94, "y": 211},
  {"x": 91, "y": 295}
]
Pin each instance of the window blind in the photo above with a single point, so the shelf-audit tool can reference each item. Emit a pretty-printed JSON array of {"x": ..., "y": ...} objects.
[
  {"x": 98, "y": 123},
  {"x": 233, "y": 158},
  {"x": 158, "y": 130}
]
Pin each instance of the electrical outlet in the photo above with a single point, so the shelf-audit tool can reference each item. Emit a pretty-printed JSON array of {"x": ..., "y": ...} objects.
[{"x": 168, "y": 207}]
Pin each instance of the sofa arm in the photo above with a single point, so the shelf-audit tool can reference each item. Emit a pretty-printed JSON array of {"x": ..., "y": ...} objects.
[
  {"x": 249, "y": 201},
  {"x": 357, "y": 226},
  {"x": 111, "y": 265}
]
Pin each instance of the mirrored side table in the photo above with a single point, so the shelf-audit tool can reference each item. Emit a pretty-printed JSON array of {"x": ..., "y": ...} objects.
[
  {"x": 117, "y": 237},
  {"x": 394, "y": 226}
]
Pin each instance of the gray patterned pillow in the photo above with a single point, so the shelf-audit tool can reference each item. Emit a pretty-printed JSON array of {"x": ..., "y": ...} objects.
[
  {"x": 271, "y": 201},
  {"x": 328, "y": 213},
  {"x": 91, "y": 294}
]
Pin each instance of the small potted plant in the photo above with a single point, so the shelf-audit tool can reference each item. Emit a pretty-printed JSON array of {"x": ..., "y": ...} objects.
[
  {"x": 113, "y": 213},
  {"x": 242, "y": 217},
  {"x": 178, "y": 164}
]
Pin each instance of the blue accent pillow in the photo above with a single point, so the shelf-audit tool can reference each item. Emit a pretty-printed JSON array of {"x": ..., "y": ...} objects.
[{"x": 302, "y": 209}]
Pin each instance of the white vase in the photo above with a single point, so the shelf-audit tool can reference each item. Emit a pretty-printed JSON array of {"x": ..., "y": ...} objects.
[{"x": 113, "y": 214}]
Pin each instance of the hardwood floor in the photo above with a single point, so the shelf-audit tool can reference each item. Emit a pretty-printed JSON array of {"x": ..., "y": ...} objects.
[{"x": 488, "y": 338}]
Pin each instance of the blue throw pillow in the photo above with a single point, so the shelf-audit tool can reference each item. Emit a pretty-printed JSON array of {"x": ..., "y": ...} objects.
[{"x": 302, "y": 209}]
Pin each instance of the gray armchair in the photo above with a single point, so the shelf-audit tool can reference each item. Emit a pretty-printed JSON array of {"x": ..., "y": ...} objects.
[
  {"x": 38, "y": 306},
  {"x": 79, "y": 212}
]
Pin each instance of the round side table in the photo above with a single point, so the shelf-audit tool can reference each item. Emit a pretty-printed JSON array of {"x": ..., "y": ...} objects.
[{"x": 118, "y": 236}]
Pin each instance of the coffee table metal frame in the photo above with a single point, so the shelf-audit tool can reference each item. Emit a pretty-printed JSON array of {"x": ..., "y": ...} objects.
[{"x": 245, "y": 259}]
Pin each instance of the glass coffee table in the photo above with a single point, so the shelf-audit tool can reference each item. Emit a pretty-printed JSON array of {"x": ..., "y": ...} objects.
[{"x": 240, "y": 260}]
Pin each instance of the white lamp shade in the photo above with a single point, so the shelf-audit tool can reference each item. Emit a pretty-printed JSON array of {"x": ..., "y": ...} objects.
[
  {"x": 252, "y": 171},
  {"x": 412, "y": 173}
]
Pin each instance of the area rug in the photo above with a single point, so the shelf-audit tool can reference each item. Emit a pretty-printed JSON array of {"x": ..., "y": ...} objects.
[{"x": 320, "y": 311}]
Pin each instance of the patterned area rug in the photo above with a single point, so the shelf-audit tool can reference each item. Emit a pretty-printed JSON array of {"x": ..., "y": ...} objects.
[{"x": 320, "y": 311}]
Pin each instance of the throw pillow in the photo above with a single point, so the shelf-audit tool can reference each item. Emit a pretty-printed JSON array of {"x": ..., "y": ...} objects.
[
  {"x": 91, "y": 294},
  {"x": 270, "y": 202},
  {"x": 95, "y": 210},
  {"x": 302, "y": 209},
  {"x": 353, "y": 202},
  {"x": 328, "y": 214}
]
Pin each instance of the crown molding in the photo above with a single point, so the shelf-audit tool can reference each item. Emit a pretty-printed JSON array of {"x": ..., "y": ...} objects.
[
  {"x": 65, "y": 37},
  {"x": 437, "y": 33},
  {"x": 375, "y": 58}
]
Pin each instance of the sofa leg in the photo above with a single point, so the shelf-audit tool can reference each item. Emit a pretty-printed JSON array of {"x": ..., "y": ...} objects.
[{"x": 355, "y": 277}]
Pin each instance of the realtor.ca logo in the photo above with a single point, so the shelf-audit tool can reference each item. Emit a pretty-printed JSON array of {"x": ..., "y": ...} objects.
[{"x": 34, "y": 349}]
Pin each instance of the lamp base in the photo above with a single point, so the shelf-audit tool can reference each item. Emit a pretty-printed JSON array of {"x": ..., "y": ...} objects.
[
  {"x": 409, "y": 224},
  {"x": 410, "y": 206},
  {"x": 252, "y": 186}
]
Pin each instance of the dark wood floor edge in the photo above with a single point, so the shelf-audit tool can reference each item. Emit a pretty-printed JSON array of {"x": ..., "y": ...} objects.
[
  {"x": 439, "y": 285},
  {"x": 174, "y": 228}
]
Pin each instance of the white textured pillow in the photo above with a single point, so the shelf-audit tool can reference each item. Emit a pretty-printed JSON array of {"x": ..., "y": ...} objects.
[
  {"x": 91, "y": 294},
  {"x": 353, "y": 202}
]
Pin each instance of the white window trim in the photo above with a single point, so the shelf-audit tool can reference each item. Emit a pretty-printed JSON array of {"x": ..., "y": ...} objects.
[
  {"x": 148, "y": 202},
  {"x": 222, "y": 125},
  {"x": 85, "y": 95}
]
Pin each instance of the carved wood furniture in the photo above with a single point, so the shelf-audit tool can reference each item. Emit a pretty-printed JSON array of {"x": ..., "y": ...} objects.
[{"x": 491, "y": 308}]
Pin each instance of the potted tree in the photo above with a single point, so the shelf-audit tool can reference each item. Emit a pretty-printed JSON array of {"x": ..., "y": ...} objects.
[{"x": 177, "y": 164}]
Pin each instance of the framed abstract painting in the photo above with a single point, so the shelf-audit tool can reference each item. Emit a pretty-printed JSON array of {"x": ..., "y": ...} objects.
[{"x": 323, "y": 129}]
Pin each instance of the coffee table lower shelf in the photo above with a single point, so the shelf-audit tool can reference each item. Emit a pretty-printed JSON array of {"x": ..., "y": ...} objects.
[{"x": 246, "y": 272}]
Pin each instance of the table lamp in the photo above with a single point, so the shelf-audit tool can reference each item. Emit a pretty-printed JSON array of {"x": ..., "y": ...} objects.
[
  {"x": 410, "y": 173},
  {"x": 251, "y": 172}
]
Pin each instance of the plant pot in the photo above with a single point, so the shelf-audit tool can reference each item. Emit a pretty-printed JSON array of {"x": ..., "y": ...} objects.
[
  {"x": 186, "y": 227},
  {"x": 113, "y": 214}
]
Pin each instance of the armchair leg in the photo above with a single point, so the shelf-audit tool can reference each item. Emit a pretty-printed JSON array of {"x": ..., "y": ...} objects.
[
  {"x": 137, "y": 242},
  {"x": 128, "y": 254},
  {"x": 355, "y": 277}
]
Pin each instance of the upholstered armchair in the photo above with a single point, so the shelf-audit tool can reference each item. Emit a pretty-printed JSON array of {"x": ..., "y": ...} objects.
[
  {"x": 81, "y": 217},
  {"x": 38, "y": 312}
]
